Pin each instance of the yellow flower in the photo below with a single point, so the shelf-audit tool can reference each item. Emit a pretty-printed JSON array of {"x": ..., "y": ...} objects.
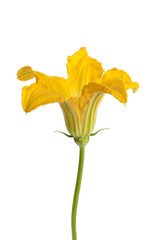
[{"x": 80, "y": 95}]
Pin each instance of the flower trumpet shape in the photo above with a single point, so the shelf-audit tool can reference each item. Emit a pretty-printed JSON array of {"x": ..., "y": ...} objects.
[{"x": 80, "y": 95}]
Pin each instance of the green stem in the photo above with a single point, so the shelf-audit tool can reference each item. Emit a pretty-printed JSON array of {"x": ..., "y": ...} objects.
[{"x": 76, "y": 193}]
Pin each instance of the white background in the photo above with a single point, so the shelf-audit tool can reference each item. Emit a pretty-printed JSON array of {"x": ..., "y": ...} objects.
[{"x": 120, "y": 194}]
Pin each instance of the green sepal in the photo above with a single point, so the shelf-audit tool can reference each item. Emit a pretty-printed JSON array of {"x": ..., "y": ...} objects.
[
  {"x": 93, "y": 134},
  {"x": 67, "y": 135}
]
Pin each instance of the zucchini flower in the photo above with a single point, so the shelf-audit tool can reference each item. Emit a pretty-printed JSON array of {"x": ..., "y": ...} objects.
[{"x": 79, "y": 97}]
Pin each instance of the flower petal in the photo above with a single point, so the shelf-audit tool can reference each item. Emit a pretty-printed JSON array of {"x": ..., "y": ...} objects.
[
  {"x": 58, "y": 85},
  {"x": 25, "y": 73},
  {"x": 36, "y": 95},
  {"x": 82, "y": 70},
  {"x": 111, "y": 77},
  {"x": 118, "y": 91}
]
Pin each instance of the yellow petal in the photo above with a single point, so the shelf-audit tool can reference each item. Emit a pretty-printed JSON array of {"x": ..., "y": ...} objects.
[
  {"x": 114, "y": 75},
  {"x": 25, "y": 73},
  {"x": 118, "y": 91},
  {"x": 36, "y": 95},
  {"x": 58, "y": 85},
  {"x": 82, "y": 70}
]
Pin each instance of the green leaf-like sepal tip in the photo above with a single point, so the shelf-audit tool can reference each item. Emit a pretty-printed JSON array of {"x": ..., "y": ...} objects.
[
  {"x": 93, "y": 134},
  {"x": 67, "y": 135}
]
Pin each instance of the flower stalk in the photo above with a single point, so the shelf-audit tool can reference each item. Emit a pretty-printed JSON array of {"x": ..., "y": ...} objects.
[{"x": 77, "y": 191}]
